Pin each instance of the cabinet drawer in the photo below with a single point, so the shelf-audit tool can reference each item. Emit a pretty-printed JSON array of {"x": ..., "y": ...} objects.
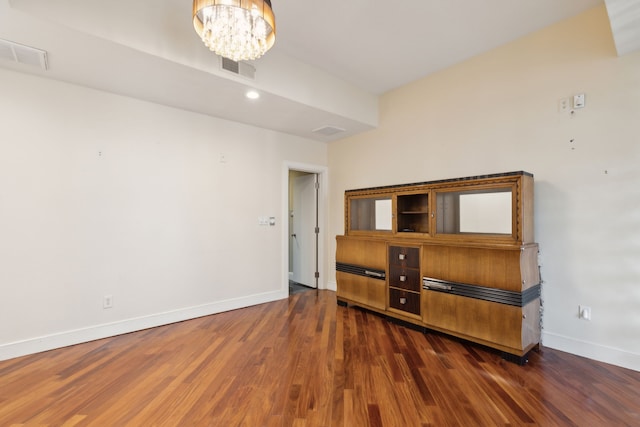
[
  {"x": 517, "y": 328},
  {"x": 361, "y": 290},
  {"x": 406, "y": 278},
  {"x": 407, "y": 257},
  {"x": 404, "y": 300}
]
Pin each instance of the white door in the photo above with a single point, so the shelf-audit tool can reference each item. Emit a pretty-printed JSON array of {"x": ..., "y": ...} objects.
[{"x": 303, "y": 224}]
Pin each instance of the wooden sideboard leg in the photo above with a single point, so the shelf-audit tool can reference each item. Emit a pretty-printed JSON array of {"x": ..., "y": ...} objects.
[
  {"x": 520, "y": 360},
  {"x": 404, "y": 323}
]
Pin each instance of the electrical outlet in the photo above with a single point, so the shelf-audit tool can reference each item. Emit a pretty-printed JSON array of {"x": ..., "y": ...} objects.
[
  {"x": 107, "y": 301},
  {"x": 584, "y": 312}
]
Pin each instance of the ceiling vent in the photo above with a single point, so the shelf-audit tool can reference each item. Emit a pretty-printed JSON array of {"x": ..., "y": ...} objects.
[
  {"x": 239, "y": 68},
  {"x": 22, "y": 54},
  {"x": 328, "y": 130}
]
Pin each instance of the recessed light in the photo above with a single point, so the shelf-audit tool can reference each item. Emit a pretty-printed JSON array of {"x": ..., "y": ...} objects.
[{"x": 252, "y": 94}]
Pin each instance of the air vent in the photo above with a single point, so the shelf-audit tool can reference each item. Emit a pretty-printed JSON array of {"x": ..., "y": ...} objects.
[
  {"x": 239, "y": 68},
  {"x": 22, "y": 54},
  {"x": 328, "y": 130}
]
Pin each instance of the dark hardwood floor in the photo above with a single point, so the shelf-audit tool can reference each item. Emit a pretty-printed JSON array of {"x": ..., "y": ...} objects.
[{"x": 307, "y": 362}]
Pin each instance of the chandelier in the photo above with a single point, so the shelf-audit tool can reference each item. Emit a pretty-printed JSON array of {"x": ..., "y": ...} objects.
[{"x": 235, "y": 29}]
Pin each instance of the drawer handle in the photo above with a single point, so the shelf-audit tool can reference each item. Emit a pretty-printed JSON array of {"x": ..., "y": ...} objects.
[
  {"x": 432, "y": 285},
  {"x": 403, "y": 278},
  {"x": 403, "y": 301},
  {"x": 373, "y": 273},
  {"x": 402, "y": 256}
]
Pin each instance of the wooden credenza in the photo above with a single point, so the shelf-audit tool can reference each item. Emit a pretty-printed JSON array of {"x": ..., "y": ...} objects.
[{"x": 455, "y": 256}]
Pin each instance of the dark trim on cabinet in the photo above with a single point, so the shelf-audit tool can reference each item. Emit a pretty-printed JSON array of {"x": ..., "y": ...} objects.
[
  {"x": 444, "y": 181},
  {"x": 517, "y": 299},
  {"x": 361, "y": 271}
]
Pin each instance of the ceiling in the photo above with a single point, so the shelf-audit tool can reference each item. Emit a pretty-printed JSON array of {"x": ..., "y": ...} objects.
[{"x": 331, "y": 61}]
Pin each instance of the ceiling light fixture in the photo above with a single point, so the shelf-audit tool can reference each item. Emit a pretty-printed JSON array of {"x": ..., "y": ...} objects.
[
  {"x": 252, "y": 94},
  {"x": 236, "y": 29}
]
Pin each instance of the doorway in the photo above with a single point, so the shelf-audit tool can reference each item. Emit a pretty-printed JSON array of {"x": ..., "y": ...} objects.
[{"x": 305, "y": 230}]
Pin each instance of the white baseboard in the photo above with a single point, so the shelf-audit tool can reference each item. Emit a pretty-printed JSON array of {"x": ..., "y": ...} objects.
[
  {"x": 586, "y": 349},
  {"x": 78, "y": 336},
  {"x": 611, "y": 355},
  {"x": 332, "y": 285}
]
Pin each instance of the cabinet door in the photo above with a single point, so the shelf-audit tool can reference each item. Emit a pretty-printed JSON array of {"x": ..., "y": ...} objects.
[
  {"x": 361, "y": 290},
  {"x": 369, "y": 214},
  {"x": 500, "y": 268},
  {"x": 479, "y": 212},
  {"x": 362, "y": 252},
  {"x": 507, "y": 327}
]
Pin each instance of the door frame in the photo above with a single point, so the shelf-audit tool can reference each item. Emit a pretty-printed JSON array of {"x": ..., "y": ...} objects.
[{"x": 323, "y": 180}]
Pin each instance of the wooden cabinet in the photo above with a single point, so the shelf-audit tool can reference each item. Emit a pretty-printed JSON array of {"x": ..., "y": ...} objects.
[{"x": 453, "y": 255}]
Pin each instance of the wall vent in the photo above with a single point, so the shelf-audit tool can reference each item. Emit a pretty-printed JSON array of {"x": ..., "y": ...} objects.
[
  {"x": 22, "y": 54},
  {"x": 328, "y": 130},
  {"x": 239, "y": 68}
]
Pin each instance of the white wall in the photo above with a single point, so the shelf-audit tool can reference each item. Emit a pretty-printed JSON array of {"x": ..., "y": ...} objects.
[
  {"x": 499, "y": 112},
  {"x": 106, "y": 195}
]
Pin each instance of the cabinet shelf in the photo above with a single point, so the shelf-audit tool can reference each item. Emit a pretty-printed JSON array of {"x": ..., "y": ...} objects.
[{"x": 414, "y": 212}]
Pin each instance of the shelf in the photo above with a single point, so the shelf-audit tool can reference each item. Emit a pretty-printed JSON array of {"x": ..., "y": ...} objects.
[{"x": 414, "y": 212}]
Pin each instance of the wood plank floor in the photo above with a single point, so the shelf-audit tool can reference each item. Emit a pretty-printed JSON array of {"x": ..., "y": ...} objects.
[{"x": 307, "y": 362}]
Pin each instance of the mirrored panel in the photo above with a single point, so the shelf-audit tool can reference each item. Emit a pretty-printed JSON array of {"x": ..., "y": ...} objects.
[{"x": 476, "y": 211}]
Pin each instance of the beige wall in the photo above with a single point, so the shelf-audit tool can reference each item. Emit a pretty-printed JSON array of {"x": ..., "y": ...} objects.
[
  {"x": 499, "y": 112},
  {"x": 106, "y": 195}
]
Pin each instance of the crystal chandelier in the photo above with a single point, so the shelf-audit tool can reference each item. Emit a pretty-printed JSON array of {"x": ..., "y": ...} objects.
[{"x": 235, "y": 29}]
